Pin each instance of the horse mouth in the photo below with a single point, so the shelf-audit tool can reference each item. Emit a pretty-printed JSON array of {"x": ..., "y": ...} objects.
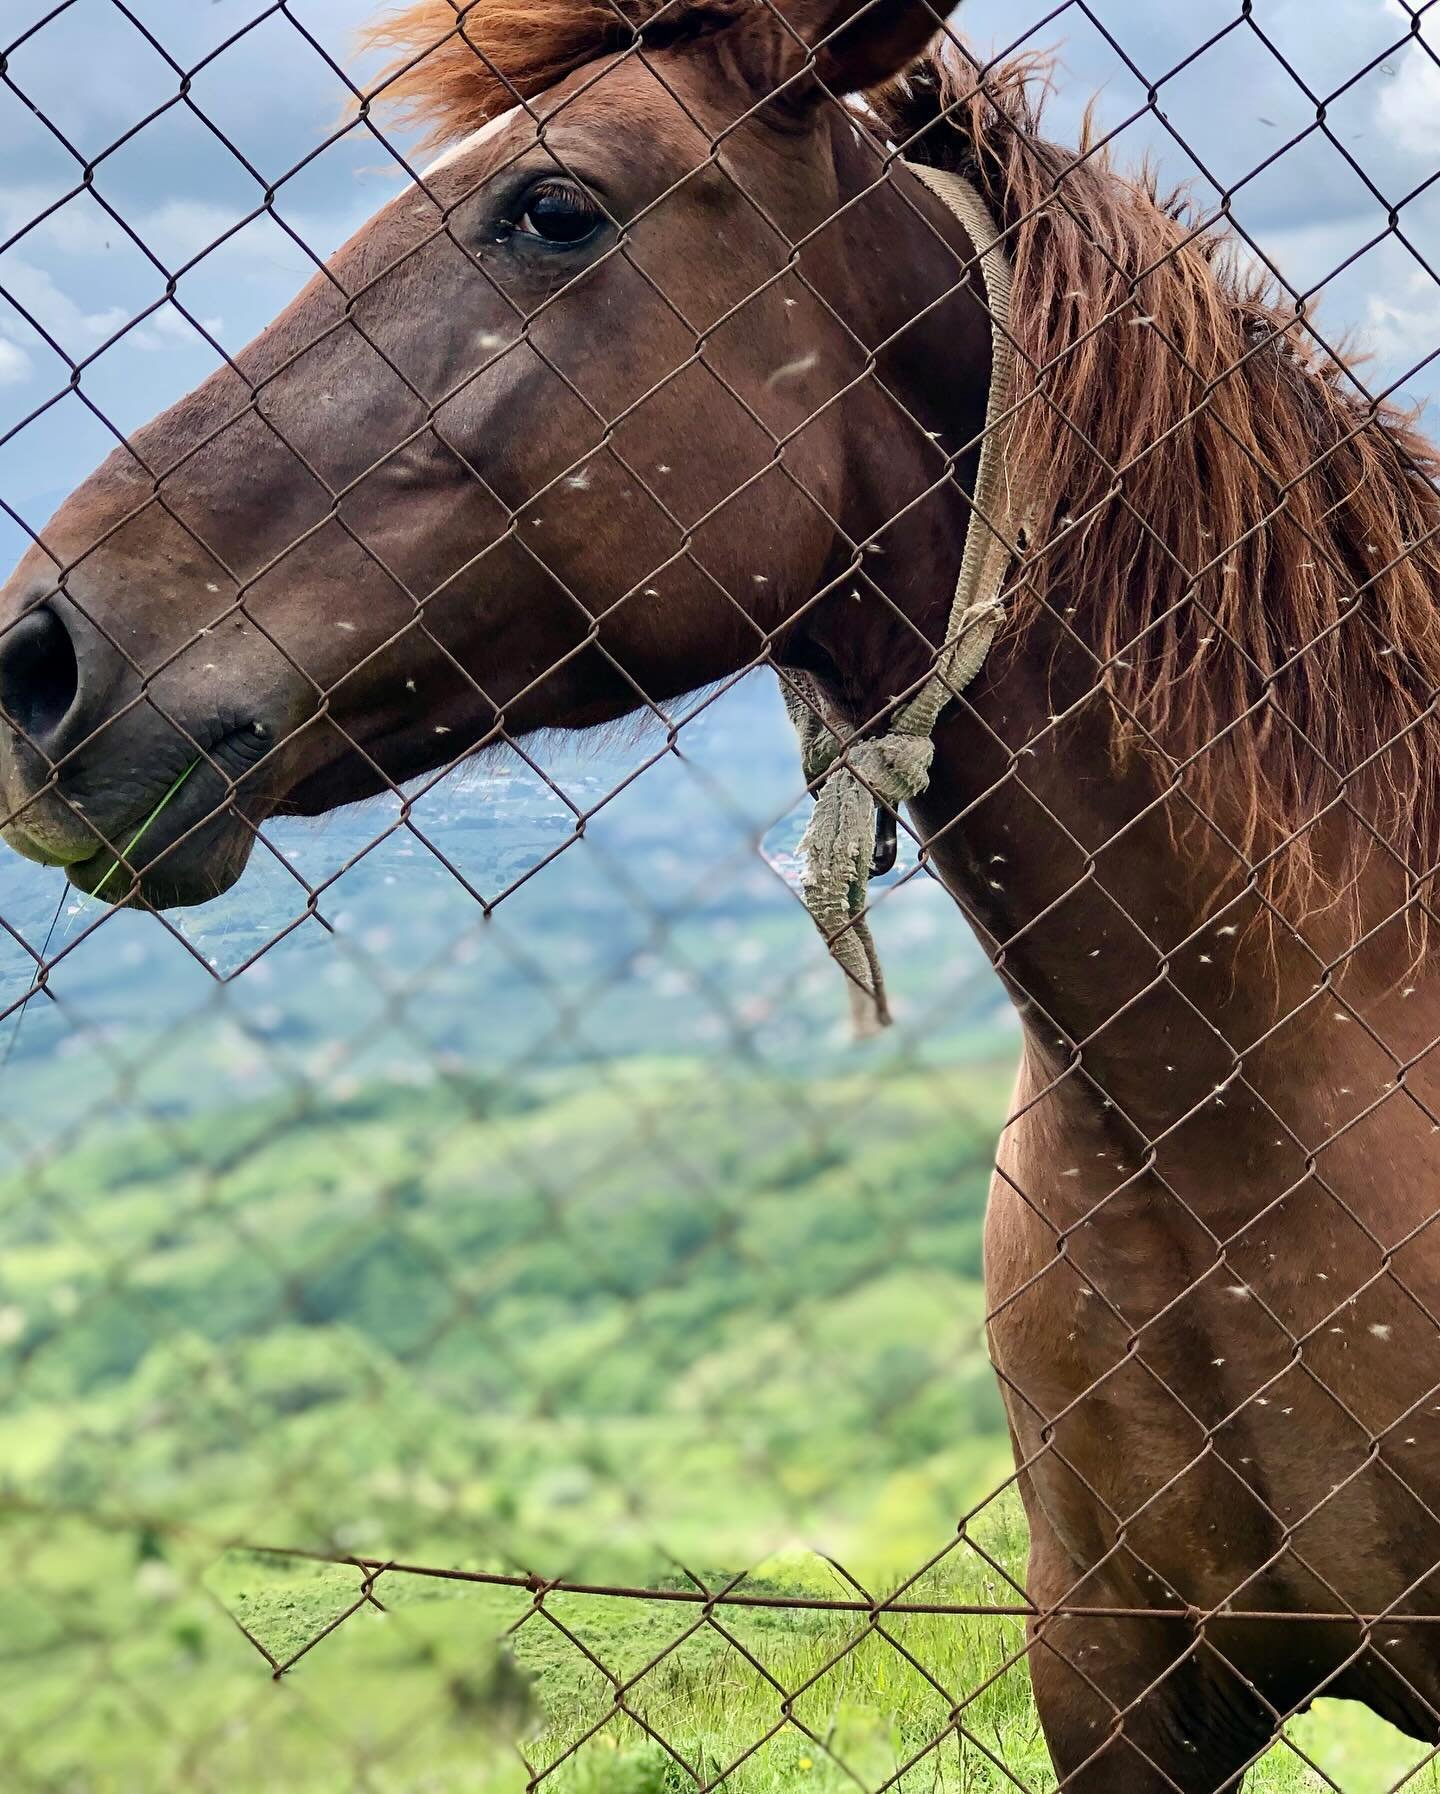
[{"x": 189, "y": 838}]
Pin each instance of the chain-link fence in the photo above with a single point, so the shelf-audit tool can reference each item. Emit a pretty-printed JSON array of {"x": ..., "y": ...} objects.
[{"x": 472, "y": 1314}]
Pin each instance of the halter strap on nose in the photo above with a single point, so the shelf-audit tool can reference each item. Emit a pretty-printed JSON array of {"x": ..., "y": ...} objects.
[{"x": 838, "y": 849}]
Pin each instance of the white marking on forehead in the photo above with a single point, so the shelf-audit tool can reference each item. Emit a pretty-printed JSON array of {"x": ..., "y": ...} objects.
[{"x": 491, "y": 128}]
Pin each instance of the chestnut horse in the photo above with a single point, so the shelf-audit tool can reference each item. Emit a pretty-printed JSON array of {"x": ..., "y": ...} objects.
[{"x": 671, "y": 365}]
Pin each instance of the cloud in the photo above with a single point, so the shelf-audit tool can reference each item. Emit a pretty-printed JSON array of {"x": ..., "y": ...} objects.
[
  {"x": 168, "y": 329},
  {"x": 1409, "y": 104},
  {"x": 34, "y": 293},
  {"x": 78, "y": 332},
  {"x": 1403, "y": 325},
  {"x": 175, "y": 229},
  {"x": 15, "y": 364}
]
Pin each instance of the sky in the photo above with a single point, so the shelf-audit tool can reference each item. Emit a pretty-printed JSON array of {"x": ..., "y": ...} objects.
[{"x": 267, "y": 109}]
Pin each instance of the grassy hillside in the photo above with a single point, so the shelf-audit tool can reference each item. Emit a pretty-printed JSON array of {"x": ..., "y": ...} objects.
[
  {"x": 653, "y": 1283},
  {"x": 622, "y": 1322}
]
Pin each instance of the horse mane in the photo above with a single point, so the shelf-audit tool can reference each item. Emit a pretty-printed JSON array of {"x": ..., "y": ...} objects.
[{"x": 1244, "y": 539}]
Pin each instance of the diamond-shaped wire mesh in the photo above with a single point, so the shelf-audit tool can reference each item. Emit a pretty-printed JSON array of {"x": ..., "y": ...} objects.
[{"x": 470, "y": 1314}]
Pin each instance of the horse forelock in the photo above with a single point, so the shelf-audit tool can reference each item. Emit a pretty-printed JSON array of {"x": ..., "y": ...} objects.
[
  {"x": 457, "y": 64},
  {"x": 1248, "y": 541}
]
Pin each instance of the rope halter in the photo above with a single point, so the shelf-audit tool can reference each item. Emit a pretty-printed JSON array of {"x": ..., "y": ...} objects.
[{"x": 837, "y": 850}]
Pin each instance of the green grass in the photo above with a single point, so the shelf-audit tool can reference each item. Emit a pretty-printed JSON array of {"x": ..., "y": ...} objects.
[
  {"x": 584, "y": 1324},
  {"x": 445, "y": 1690}
]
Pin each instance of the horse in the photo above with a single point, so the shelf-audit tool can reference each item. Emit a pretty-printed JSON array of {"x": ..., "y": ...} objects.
[{"x": 672, "y": 365}]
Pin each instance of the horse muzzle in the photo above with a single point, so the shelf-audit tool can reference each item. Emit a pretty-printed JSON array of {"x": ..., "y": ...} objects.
[{"x": 148, "y": 791}]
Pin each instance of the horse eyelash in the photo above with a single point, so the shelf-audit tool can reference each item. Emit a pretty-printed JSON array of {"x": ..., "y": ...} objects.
[{"x": 560, "y": 185}]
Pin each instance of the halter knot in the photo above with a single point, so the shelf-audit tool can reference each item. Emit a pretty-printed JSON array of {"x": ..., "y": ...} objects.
[{"x": 838, "y": 850}]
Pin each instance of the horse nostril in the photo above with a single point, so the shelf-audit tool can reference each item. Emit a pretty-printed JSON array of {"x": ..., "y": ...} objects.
[{"x": 39, "y": 675}]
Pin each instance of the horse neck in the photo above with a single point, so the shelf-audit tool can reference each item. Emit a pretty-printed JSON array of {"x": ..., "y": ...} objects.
[{"x": 1161, "y": 999}]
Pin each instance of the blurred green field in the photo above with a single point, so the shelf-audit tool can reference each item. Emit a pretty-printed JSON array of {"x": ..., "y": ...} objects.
[{"x": 607, "y": 1323}]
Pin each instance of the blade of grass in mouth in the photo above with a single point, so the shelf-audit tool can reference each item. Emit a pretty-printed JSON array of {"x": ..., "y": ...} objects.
[{"x": 144, "y": 827}]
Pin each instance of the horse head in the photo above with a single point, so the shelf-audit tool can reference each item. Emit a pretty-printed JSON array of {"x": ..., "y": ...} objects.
[{"x": 583, "y": 419}]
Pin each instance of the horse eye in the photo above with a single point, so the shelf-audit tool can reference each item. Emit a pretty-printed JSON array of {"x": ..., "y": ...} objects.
[{"x": 559, "y": 214}]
